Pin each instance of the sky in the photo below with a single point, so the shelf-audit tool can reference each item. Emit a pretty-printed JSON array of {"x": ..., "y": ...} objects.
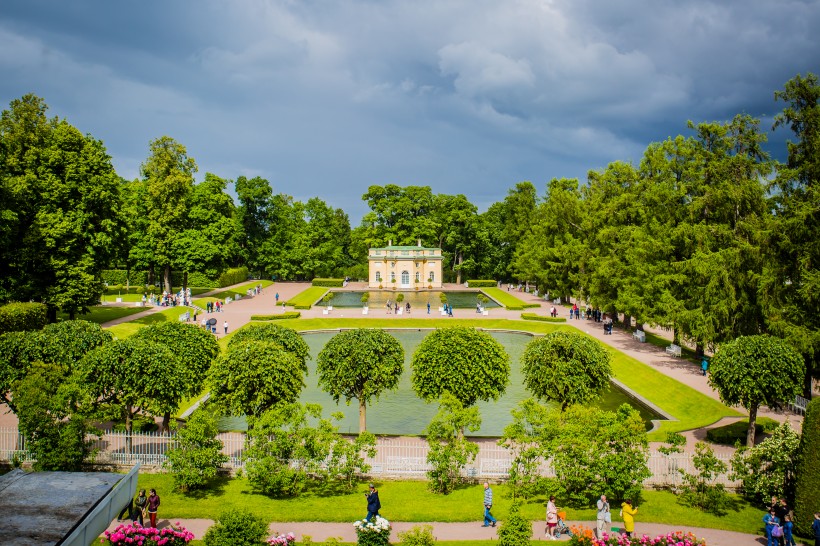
[{"x": 468, "y": 97}]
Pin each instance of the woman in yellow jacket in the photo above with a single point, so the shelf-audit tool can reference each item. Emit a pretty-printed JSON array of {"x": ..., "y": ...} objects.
[{"x": 628, "y": 513}]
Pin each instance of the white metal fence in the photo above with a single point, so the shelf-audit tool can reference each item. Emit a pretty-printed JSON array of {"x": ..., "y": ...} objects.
[{"x": 396, "y": 457}]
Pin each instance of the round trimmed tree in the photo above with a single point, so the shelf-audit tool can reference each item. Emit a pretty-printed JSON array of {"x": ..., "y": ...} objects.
[
  {"x": 255, "y": 376},
  {"x": 755, "y": 371},
  {"x": 469, "y": 364},
  {"x": 360, "y": 364},
  {"x": 287, "y": 338},
  {"x": 567, "y": 368}
]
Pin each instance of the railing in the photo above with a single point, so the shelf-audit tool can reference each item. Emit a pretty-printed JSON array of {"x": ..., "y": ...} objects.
[
  {"x": 395, "y": 457},
  {"x": 799, "y": 405}
]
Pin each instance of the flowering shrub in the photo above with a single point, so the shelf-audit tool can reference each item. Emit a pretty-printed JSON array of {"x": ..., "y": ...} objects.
[
  {"x": 148, "y": 536},
  {"x": 282, "y": 540},
  {"x": 375, "y": 532},
  {"x": 584, "y": 537}
]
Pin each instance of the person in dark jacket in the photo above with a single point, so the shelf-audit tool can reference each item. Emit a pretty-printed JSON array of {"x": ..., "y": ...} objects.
[
  {"x": 815, "y": 527},
  {"x": 373, "y": 504}
]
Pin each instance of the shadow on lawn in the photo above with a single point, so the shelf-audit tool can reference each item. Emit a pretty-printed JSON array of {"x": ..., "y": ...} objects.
[{"x": 215, "y": 488}]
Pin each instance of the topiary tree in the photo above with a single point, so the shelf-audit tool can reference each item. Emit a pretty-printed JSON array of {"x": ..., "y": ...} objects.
[
  {"x": 236, "y": 527},
  {"x": 194, "y": 348},
  {"x": 66, "y": 342},
  {"x": 469, "y": 364},
  {"x": 756, "y": 371},
  {"x": 255, "y": 376},
  {"x": 19, "y": 317},
  {"x": 285, "y": 337},
  {"x": 566, "y": 367},
  {"x": 808, "y": 470},
  {"x": 360, "y": 364}
]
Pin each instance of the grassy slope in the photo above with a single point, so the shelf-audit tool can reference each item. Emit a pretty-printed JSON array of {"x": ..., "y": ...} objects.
[
  {"x": 240, "y": 290},
  {"x": 507, "y": 299},
  {"x": 309, "y": 296},
  {"x": 127, "y": 329},
  {"x": 101, "y": 314},
  {"x": 411, "y": 501}
]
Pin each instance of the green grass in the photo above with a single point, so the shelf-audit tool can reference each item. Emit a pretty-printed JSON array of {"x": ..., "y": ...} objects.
[
  {"x": 127, "y": 329},
  {"x": 410, "y": 501},
  {"x": 507, "y": 299},
  {"x": 691, "y": 408},
  {"x": 240, "y": 290},
  {"x": 307, "y": 297},
  {"x": 101, "y": 314}
]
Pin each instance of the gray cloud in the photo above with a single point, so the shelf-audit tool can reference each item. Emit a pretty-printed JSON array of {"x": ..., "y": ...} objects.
[{"x": 469, "y": 97}]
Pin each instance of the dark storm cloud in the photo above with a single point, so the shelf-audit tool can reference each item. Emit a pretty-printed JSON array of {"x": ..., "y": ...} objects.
[{"x": 469, "y": 97}]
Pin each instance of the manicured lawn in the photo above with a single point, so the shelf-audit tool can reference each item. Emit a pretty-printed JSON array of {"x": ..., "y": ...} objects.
[
  {"x": 308, "y": 296},
  {"x": 127, "y": 329},
  {"x": 411, "y": 501},
  {"x": 104, "y": 313},
  {"x": 691, "y": 408},
  {"x": 507, "y": 299},
  {"x": 240, "y": 290}
]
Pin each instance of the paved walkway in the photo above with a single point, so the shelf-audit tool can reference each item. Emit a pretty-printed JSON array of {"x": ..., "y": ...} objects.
[{"x": 320, "y": 532}]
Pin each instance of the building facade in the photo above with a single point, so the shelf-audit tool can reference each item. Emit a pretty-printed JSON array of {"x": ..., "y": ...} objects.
[{"x": 405, "y": 267}]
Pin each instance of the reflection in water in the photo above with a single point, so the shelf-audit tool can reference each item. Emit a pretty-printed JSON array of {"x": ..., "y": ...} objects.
[
  {"x": 418, "y": 300},
  {"x": 401, "y": 412}
]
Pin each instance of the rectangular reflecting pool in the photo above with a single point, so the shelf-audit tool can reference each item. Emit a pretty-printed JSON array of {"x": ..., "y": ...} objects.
[{"x": 417, "y": 299}]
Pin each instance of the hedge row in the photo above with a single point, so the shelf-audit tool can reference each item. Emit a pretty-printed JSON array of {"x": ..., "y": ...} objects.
[
  {"x": 479, "y": 283},
  {"x": 122, "y": 277},
  {"x": 18, "y": 317},
  {"x": 521, "y": 307},
  {"x": 542, "y": 318},
  {"x": 329, "y": 283},
  {"x": 284, "y": 316},
  {"x": 233, "y": 276}
]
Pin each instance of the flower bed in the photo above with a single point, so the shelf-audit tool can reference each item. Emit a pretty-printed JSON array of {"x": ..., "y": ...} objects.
[
  {"x": 375, "y": 532},
  {"x": 282, "y": 540},
  {"x": 584, "y": 536},
  {"x": 148, "y": 536}
]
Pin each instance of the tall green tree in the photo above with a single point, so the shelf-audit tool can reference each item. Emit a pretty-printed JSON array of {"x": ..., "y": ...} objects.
[
  {"x": 791, "y": 277},
  {"x": 253, "y": 217},
  {"x": 59, "y": 220},
  {"x": 360, "y": 364},
  {"x": 808, "y": 470},
  {"x": 469, "y": 364},
  {"x": 756, "y": 371},
  {"x": 168, "y": 174}
]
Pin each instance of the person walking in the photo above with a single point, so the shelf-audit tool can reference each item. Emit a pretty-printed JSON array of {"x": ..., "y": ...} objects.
[
  {"x": 489, "y": 520},
  {"x": 277, "y": 298},
  {"x": 704, "y": 365},
  {"x": 225, "y": 326},
  {"x": 788, "y": 530},
  {"x": 771, "y": 521},
  {"x": 428, "y": 307},
  {"x": 781, "y": 511},
  {"x": 152, "y": 507},
  {"x": 140, "y": 503},
  {"x": 629, "y": 517},
  {"x": 603, "y": 517},
  {"x": 373, "y": 504},
  {"x": 552, "y": 518}
]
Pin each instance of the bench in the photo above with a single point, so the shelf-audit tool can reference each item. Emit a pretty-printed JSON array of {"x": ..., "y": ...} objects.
[
  {"x": 640, "y": 335},
  {"x": 674, "y": 350}
]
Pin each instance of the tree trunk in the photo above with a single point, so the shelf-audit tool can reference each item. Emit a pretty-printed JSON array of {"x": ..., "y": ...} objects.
[
  {"x": 750, "y": 432},
  {"x": 184, "y": 289},
  {"x": 362, "y": 416},
  {"x": 700, "y": 350},
  {"x": 459, "y": 261},
  {"x": 808, "y": 383},
  {"x": 675, "y": 336},
  {"x": 150, "y": 275},
  {"x": 167, "y": 279},
  {"x": 627, "y": 321},
  {"x": 166, "y": 422},
  {"x": 51, "y": 313},
  {"x": 128, "y": 429}
]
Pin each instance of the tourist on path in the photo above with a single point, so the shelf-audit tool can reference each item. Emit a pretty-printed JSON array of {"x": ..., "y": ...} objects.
[
  {"x": 629, "y": 517},
  {"x": 277, "y": 298},
  {"x": 552, "y": 518},
  {"x": 153, "y": 507},
  {"x": 141, "y": 503},
  {"x": 704, "y": 365},
  {"x": 788, "y": 530},
  {"x": 488, "y": 505},
  {"x": 428, "y": 307},
  {"x": 815, "y": 527},
  {"x": 225, "y": 326},
  {"x": 602, "y": 517},
  {"x": 373, "y": 504},
  {"x": 771, "y": 521},
  {"x": 781, "y": 510}
]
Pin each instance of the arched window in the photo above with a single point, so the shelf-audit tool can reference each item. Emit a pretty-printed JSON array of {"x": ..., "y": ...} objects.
[
  {"x": 432, "y": 276},
  {"x": 418, "y": 277},
  {"x": 378, "y": 276},
  {"x": 405, "y": 277},
  {"x": 392, "y": 276}
]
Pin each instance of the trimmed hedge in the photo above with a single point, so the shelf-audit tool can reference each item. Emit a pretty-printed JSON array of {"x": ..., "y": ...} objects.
[
  {"x": 522, "y": 307},
  {"x": 233, "y": 276},
  {"x": 733, "y": 433},
  {"x": 19, "y": 317},
  {"x": 481, "y": 283},
  {"x": 808, "y": 472},
  {"x": 328, "y": 283},
  {"x": 542, "y": 318},
  {"x": 284, "y": 316}
]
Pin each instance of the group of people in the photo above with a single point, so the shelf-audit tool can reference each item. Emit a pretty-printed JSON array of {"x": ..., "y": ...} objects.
[
  {"x": 395, "y": 305},
  {"x": 141, "y": 506},
  {"x": 779, "y": 526},
  {"x": 603, "y": 517}
]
